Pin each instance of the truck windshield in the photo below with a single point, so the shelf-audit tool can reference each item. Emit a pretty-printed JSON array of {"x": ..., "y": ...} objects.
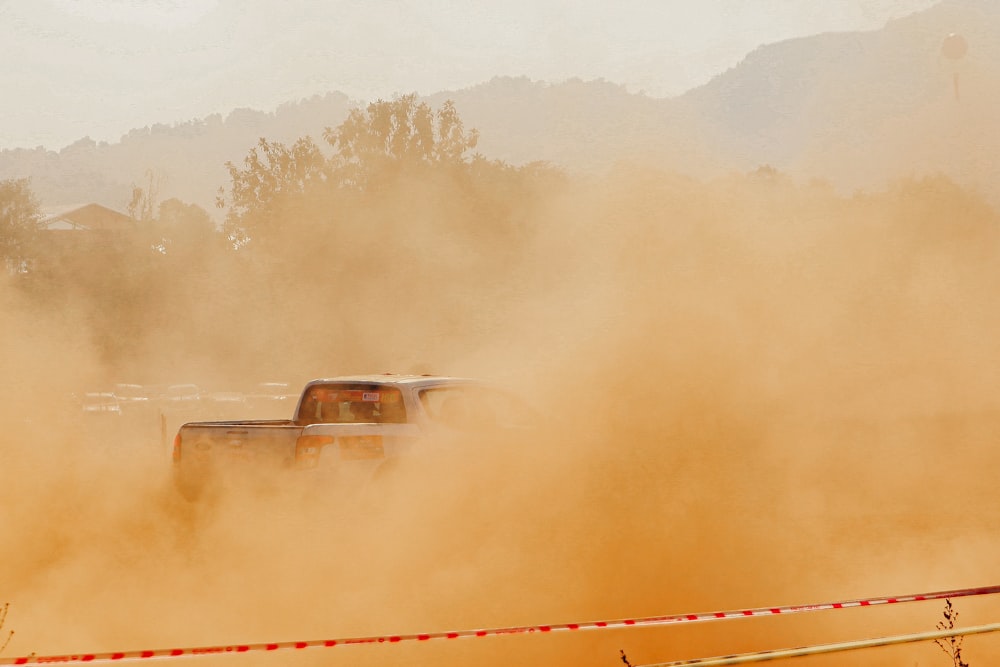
[{"x": 352, "y": 404}]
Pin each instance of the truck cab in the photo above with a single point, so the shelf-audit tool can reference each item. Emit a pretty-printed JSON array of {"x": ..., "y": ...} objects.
[{"x": 355, "y": 422}]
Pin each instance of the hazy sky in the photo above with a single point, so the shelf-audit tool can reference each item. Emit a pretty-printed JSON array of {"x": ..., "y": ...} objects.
[{"x": 98, "y": 68}]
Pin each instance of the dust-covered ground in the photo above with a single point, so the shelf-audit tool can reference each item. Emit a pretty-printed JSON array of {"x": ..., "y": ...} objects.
[{"x": 756, "y": 392}]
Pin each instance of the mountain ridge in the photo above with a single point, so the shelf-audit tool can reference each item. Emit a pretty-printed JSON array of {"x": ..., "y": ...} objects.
[{"x": 857, "y": 109}]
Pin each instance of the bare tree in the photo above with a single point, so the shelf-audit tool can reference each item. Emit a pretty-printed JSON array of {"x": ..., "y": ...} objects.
[
  {"x": 142, "y": 205},
  {"x": 3, "y": 618},
  {"x": 952, "y": 646}
]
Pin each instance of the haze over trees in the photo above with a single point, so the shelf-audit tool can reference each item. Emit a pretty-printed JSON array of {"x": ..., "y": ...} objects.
[
  {"x": 393, "y": 229},
  {"x": 389, "y": 179},
  {"x": 390, "y": 150},
  {"x": 19, "y": 220},
  {"x": 370, "y": 149}
]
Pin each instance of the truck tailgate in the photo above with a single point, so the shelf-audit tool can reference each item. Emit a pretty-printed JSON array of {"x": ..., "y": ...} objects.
[
  {"x": 265, "y": 442},
  {"x": 326, "y": 445}
]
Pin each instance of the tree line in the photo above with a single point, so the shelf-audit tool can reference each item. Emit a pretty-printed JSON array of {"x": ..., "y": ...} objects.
[
  {"x": 278, "y": 185},
  {"x": 391, "y": 229},
  {"x": 384, "y": 166}
]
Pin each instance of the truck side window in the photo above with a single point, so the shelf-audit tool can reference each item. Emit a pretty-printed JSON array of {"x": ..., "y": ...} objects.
[
  {"x": 308, "y": 413},
  {"x": 466, "y": 408},
  {"x": 393, "y": 412}
]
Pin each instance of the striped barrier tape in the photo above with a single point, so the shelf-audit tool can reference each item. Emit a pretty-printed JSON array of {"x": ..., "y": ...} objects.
[
  {"x": 761, "y": 656},
  {"x": 124, "y": 656}
]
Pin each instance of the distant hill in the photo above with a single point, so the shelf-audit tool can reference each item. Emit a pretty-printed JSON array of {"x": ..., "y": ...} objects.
[
  {"x": 856, "y": 109},
  {"x": 185, "y": 160}
]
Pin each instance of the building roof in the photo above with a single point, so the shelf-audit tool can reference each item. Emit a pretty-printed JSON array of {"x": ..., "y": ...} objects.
[{"x": 93, "y": 217}]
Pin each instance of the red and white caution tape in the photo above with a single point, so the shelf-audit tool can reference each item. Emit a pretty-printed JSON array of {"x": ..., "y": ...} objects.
[
  {"x": 123, "y": 656},
  {"x": 761, "y": 656}
]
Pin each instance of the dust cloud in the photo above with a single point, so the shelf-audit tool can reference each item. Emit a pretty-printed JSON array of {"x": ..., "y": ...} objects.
[{"x": 755, "y": 391}]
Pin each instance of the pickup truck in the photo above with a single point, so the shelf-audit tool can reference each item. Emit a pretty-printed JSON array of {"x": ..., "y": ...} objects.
[{"x": 359, "y": 421}]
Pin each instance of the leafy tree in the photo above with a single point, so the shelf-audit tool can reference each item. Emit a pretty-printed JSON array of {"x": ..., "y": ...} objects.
[
  {"x": 181, "y": 227},
  {"x": 20, "y": 219},
  {"x": 272, "y": 173},
  {"x": 283, "y": 193},
  {"x": 386, "y": 137}
]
